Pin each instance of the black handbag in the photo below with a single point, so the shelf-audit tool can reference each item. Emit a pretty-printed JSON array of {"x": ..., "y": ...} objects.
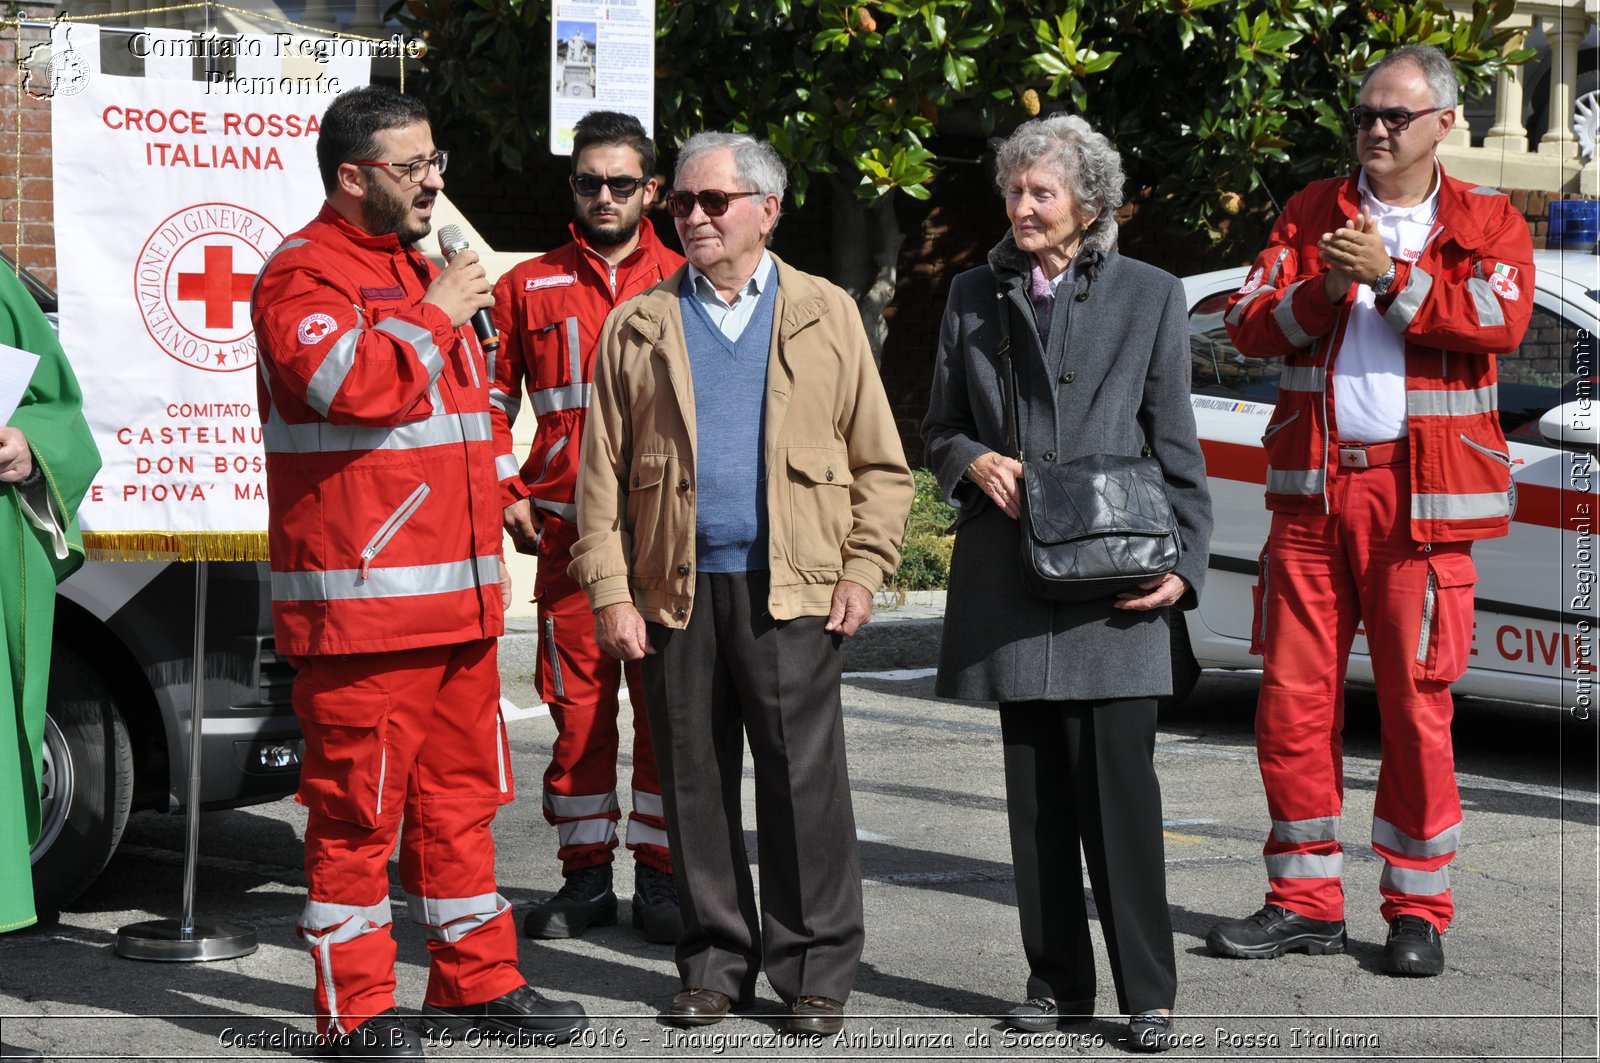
[{"x": 1092, "y": 526}]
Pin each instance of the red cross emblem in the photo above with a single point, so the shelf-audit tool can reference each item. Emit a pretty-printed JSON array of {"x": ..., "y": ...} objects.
[{"x": 219, "y": 287}]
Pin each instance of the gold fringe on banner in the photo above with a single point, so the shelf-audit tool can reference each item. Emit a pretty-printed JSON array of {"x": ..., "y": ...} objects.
[{"x": 175, "y": 546}]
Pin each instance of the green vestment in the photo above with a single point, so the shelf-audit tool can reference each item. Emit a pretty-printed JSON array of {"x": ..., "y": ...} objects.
[{"x": 51, "y": 417}]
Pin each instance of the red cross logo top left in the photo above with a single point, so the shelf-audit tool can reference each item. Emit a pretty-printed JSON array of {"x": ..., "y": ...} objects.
[{"x": 193, "y": 279}]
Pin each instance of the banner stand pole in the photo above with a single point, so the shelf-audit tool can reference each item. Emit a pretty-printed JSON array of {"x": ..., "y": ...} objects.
[{"x": 183, "y": 940}]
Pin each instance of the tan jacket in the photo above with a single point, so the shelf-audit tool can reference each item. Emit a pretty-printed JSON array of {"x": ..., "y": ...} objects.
[{"x": 838, "y": 488}]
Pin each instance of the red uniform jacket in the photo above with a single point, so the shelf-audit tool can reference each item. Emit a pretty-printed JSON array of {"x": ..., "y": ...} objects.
[
  {"x": 1467, "y": 298},
  {"x": 548, "y": 312},
  {"x": 384, "y": 514}
]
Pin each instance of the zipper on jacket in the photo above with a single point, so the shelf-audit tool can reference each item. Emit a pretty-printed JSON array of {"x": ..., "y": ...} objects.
[
  {"x": 389, "y": 527},
  {"x": 1261, "y": 625},
  {"x": 1430, "y": 598},
  {"x": 500, "y": 746},
  {"x": 1274, "y": 429},
  {"x": 555, "y": 658},
  {"x": 1504, "y": 459}
]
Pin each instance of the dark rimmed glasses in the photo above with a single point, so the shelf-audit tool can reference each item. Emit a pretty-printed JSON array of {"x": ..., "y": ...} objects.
[
  {"x": 416, "y": 172},
  {"x": 1394, "y": 119},
  {"x": 588, "y": 184},
  {"x": 713, "y": 201}
]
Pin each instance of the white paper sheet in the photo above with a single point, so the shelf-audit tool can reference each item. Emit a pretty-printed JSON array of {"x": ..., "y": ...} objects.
[{"x": 16, "y": 369}]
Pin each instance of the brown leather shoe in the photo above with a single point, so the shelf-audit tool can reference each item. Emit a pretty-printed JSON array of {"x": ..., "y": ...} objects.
[
  {"x": 815, "y": 1015},
  {"x": 699, "y": 1007}
]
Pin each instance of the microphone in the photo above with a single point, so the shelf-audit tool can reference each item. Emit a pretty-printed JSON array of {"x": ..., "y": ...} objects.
[{"x": 452, "y": 241}]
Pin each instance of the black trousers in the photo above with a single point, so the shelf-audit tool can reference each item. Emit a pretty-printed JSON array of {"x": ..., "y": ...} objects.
[
  {"x": 734, "y": 673},
  {"x": 1082, "y": 773}
]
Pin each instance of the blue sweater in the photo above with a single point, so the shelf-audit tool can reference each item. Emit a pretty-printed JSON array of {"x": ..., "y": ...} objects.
[{"x": 730, "y": 403}]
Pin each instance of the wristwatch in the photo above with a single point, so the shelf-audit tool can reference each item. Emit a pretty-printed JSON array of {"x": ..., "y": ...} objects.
[{"x": 1381, "y": 285}]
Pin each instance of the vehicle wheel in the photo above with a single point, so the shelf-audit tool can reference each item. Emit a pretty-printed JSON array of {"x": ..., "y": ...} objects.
[
  {"x": 87, "y": 785},
  {"x": 1185, "y": 670}
]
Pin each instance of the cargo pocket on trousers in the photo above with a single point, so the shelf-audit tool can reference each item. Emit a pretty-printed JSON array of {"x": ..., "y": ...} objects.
[
  {"x": 1444, "y": 642},
  {"x": 1258, "y": 608},
  {"x": 346, "y": 758}
]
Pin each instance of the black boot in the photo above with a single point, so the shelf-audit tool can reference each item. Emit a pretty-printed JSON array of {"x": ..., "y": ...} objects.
[
  {"x": 655, "y": 905},
  {"x": 584, "y": 900}
]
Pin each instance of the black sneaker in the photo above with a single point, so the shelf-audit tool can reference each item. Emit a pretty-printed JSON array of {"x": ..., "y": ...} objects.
[
  {"x": 1273, "y": 931},
  {"x": 584, "y": 900},
  {"x": 383, "y": 1036},
  {"x": 655, "y": 905},
  {"x": 1034, "y": 1015},
  {"x": 521, "y": 1017},
  {"x": 1152, "y": 1031},
  {"x": 1413, "y": 948}
]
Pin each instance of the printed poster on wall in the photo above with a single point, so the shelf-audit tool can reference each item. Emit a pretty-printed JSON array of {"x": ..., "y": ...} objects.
[
  {"x": 602, "y": 58},
  {"x": 180, "y": 163}
]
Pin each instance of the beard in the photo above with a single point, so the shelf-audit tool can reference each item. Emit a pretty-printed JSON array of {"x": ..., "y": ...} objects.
[
  {"x": 384, "y": 211},
  {"x": 615, "y": 233}
]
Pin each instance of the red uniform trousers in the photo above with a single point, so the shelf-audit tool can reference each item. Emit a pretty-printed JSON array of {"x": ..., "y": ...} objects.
[
  {"x": 416, "y": 732},
  {"x": 1321, "y": 575},
  {"x": 580, "y": 683}
]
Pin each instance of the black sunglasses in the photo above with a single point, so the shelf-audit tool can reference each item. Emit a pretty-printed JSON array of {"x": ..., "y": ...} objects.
[
  {"x": 713, "y": 201},
  {"x": 1394, "y": 119},
  {"x": 588, "y": 184}
]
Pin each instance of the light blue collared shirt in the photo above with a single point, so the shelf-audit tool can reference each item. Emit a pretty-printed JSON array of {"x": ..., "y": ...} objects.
[{"x": 731, "y": 318}]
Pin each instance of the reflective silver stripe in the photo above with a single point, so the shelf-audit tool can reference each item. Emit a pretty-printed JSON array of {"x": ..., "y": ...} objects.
[
  {"x": 1305, "y": 865},
  {"x": 1484, "y": 190},
  {"x": 1303, "y": 378},
  {"x": 564, "y": 510},
  {"x": 318, "y": 437},
  {"x": 1283, "y": 314},
  {"x": 1321, "y": 829},
  {"x": 1404, "y": 309},
  {"x": 388, "y": 528},
  {"x": 1468, "y": 403},
  {"x": 330, "y": 375},
  {"x": 408, "y": 581},
  {"x": 646, "y": 803},
  {"x": 419, "y": 339},
  {"x": 1392, "y": 838},
  {"x": 1460, "y": 507},
  {"x": 506, "y": 403},
  {"x": 550, "y": 456},
  {"x": 644, "y": 834},
  {"x": 453, "y": 918},
  {"x": 578, "y": 806},
  {"x": 324, "y": 918},
  {"x": 574, "y": 351},
  {"x": 1415, "y": 883},
  {"x": 262, "y": 272},
  {"x": 1490, "y": 312},
  {"x": 566, "y": 397},
  {"x": 555, "y": 656},
  {"x": 1238, "y": 308},
  {"x": 586, "y": 832},
  {"x": 1295, "y": 481},
  {"x": 1277, "y": 268},
  {"x": 506, "y": 467}
]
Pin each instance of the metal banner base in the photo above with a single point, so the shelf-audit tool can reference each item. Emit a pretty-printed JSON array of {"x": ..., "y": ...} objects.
[{"x": 167, "y": 941}]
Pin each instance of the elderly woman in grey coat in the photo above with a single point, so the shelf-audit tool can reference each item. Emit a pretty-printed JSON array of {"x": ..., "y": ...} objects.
[{"x": 1100, "y": 346}]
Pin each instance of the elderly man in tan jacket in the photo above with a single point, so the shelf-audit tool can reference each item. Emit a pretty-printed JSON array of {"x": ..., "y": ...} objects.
[{"x": 743, "y": 493}]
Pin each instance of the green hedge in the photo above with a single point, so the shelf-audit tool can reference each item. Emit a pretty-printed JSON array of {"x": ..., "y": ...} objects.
[{"x": 925, "y": 554}]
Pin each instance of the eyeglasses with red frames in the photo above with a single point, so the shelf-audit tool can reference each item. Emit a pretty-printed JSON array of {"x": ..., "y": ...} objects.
[
  {"x": 416, "y": 172},
  {"x": 1394, "y": 119},
  {"x": 713, "y": 201}
]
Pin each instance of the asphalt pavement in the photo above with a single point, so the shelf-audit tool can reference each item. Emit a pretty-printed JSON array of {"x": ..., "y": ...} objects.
[{"x": 943, "y": 957}]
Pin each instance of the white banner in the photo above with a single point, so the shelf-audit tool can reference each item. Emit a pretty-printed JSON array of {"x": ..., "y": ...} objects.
[
  {"x": 181, "y": 162},
  {"x": 602, "y": 58}
]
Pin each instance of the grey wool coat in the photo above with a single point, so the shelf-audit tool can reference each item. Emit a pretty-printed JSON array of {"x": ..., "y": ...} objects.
[{"x": 1113, "y": 377}]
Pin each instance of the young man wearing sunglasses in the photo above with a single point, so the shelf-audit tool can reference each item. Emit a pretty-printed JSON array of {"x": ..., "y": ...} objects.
[
  {"x": 1387, "y": 294},
  {"x": 743, "y": 493},
  {"x": 548, "y": 312},
  {"x": 388, "y": 591}
]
